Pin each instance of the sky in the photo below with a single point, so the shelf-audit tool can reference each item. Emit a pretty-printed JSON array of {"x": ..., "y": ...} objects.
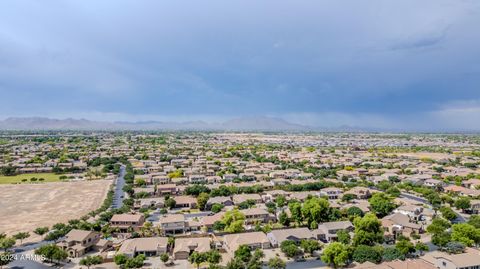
[{"x": 387, "y": 64}]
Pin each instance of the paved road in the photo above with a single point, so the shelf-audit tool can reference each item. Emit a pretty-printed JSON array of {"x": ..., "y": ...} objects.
[
  {"x": 23, "y": 250},
  {"x": 30, "y": 246},
  {"x": 119, "y": 194},
  {"x": 414, "y": 197},
  {"x": 26, "y": 264}
]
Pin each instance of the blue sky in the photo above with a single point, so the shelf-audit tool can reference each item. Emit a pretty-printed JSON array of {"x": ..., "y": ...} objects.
[{"x": 394, "y": 64}]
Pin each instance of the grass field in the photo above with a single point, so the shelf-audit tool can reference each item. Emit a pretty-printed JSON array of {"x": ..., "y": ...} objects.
[{"x": 48, "y": 177}]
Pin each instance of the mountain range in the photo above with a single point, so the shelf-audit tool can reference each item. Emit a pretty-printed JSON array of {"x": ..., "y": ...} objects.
[{"x": 236, "y": 124}]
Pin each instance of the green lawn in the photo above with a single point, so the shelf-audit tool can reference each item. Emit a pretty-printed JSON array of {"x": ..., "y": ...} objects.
[{"x": 48, "y": 177}]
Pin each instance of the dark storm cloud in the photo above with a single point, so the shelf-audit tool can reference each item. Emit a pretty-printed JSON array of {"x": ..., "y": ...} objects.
[{"x": 317, "y": 62}]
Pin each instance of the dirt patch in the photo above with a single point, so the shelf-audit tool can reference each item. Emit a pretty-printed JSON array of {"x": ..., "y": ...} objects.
[{"x": 24, "y": 207}]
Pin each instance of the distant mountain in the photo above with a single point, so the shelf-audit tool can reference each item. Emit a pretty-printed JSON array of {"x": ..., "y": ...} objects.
[
  {"x": 262, "y": 124},
  {"x": 238, "y": 124},
  {"x": 39, "y": 123}
]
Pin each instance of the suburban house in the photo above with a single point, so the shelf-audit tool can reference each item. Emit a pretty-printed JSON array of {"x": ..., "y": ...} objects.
[
  {"x": 255, "y": 240},
  {"x": 239, "y": 198},
  {"x": 223, "y": 200},
  {"x": 475, "y": 206},
  {"x": 441, "y": 260},
  {"x": 185, "y": 246},
  {"x": 434, "y": 183},
  {"x": 125, "y": 222},
  {"x": 79, "y": 242},
  {"x": 208, "y": 221},
  {"x": 167, "y": 189},
  {"x": 327, "y": 231},
  {"x": 148, "y": 246},
  {"x": 472, "y": 183},
  {"x": 276, "y": 237},
  {"x": 172, "y": 223},
  {"x": 360, "y": 192},
  {"x": 461, "y": 191},
  {"x": 399, "y": 223},
  {"x": 161, "y": 180},
  {"x": 254, "y": 215},
  {"x": 156, "y": 202},
  {"x": 187, "y": 202},
  {"x": 332, "y": 193},
  {"x": 197, "y": 179},
  {"x": 414, "y": 212}
]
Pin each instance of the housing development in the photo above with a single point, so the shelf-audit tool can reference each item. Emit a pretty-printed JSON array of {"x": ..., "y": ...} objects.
[{"x": 136, "y": 199}]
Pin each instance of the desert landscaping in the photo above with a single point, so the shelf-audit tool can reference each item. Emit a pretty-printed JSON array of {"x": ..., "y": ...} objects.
[{"x": 24, "y": 207}]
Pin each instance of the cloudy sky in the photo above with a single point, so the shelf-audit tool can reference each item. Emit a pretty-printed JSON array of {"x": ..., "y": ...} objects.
[{"x": 393, "y": 64}]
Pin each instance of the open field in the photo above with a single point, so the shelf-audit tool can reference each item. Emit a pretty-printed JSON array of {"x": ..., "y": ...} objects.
[
  {"x": 48, "y": 177},
  {"x": 24, "y": 207}
]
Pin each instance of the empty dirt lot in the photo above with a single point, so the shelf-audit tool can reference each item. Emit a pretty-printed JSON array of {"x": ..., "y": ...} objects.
[{"x": 24, "y": 207}]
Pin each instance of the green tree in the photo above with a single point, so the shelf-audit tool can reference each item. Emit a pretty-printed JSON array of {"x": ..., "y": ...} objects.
[
  {"x": 283, "y": 219},
  {"x": 170, "y": 203},
  {"x": 213, "y": 257},
  {"x": 466, "y": 234},
  {"x": 368, "y": 230},
  {"x": 335, "y": 254},
  {"x": 164, "y": 257},
  {"x": 233, "y": 221},
  {"x": 276, "y": 263},
  {"x": 243, "y": 253},
  {"x": 391, "y": 254},
  {"x": 52, "y": 252},
  {"x": 197, "y": 258},
  {"x": 235, "y": 264},
  {"x": 218, "y": 226},
  {"x": 217, "y": 208},
  {"x": 462, "y": 203},
  {"x": 21, "y": 236},
  {"x": 343, "y": 237},
  {"x": 474, "y": 221},
  {"x": 120, "y": 259},
  {"x": 310, "y": 245},
  {"x": 448, "y": 213},
  {"x": 363, "y": 253},
  {"x": 348, "y": 197},
  {"x": 421, "y": 247},
  {"x": 136, "y": 262},
  {"x": 6, "y": 243},
  {"x": 315, "y": 210},
  {"x": 41, "y": 230},
  {"x": 256, "y": 260},
  {"x": 296, "y": 212},
  {"x": 280, "y": 200},
  {"x": 202, "y": 200},
  {"x": 438, "y": 226},
  {"x": 393, "y": 191},
  {"x": 441, "y": 239},
  {"x": 354, "y": 212},
  {"x": 382, "y": 204},
  {"x": 91, "y": 260},
  {"x": 290, "y": 248},
  {"x": 405, "y": 247}
]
